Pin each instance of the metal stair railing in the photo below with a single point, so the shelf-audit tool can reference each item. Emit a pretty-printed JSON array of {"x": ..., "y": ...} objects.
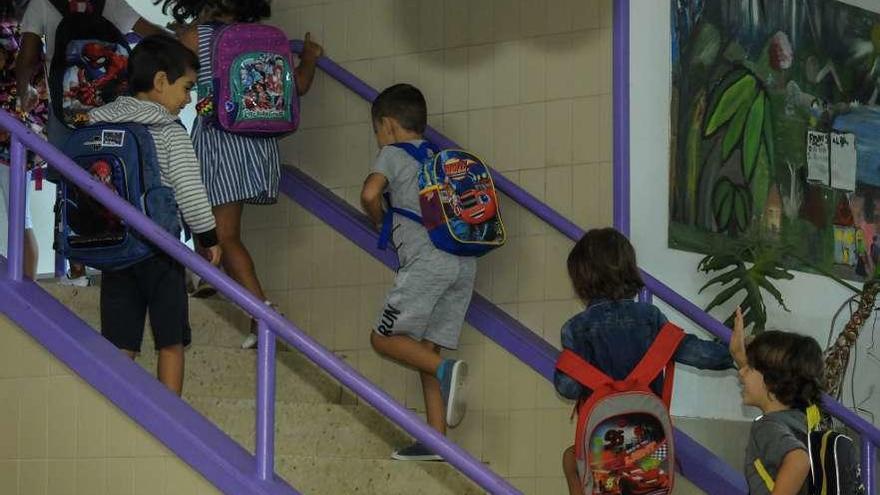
[{"x": 270, "y": 323}]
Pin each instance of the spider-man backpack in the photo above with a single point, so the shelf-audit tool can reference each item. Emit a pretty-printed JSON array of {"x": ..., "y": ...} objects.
[
  {"x": 623, "y": 441},
  {"x": 90, "y": 65},
  {"x": 122, "y": 158}
]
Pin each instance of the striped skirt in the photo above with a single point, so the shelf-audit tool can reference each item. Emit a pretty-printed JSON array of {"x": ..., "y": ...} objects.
[{"x": 237, "y": 168}]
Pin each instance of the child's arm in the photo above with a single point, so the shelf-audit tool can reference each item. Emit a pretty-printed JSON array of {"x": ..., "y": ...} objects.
[
  {"x": 566, "y": 386},
  {"x": 184, "y": 177},
  {"x": 693, "y": 351},
  {"x": 792, "y": 473},
  {"x": 305, "y": 73},
  {"x": 371, "y": 197},
  {"x": 738, "y": 340},
  {"x": 189, "y": 36}
]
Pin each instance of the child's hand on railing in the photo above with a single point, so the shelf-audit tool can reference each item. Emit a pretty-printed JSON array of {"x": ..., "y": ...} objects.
[
  {"x": 737, "y": 339},
  {"x": 311, "y": 51},
  {"x": 212, "y": 254}
]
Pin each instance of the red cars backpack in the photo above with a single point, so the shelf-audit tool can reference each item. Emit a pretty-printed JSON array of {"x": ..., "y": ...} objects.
[{"x": 623, "y": 441}]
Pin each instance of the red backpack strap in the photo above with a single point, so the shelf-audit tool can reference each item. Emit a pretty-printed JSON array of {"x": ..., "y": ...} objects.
[
  {"x": 659, "y": 358},
  {"x": 585, "y": 373}
]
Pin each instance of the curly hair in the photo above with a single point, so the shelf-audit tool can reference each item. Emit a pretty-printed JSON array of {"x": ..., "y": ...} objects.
[
  {"x": 792, "y": 366},
  {"x": 242, "y": 10},
  {"x": 602, "y": 265}
]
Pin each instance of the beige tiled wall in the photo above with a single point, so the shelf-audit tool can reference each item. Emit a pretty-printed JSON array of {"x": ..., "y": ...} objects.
[
  {"x": 60, "y": 437},
  {"x": 523, "y": 83}
]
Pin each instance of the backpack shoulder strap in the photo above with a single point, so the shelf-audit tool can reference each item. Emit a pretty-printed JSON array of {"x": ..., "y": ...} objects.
[
  {"x": 659, "y": 358},
  {"x": 419, "y": 153},
  {"x": 585, "y": 373},
  {"x": 765, "y": 476}
]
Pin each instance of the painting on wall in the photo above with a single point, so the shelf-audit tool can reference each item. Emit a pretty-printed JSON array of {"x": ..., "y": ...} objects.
[{"x": 776, "y": 129}]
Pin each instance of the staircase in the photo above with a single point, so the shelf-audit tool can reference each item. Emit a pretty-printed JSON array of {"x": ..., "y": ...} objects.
[{"x": 327, "y": 443}]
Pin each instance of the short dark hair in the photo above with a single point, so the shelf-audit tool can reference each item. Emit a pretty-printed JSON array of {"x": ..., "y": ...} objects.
[
  {"x": 403, "y": 103},
  {"x": 602, "y": 265},
  {"x": 240, "y": 10},
  {"x": 158, "y": 53},
  {"x": 792, "y": 366}
]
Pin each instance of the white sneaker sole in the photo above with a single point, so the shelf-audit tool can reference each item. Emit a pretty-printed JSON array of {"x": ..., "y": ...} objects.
[
  {"x": 426, "y": 457},
  {"x": 250, "y": 342},
  {"x": 456, "y": 404}
]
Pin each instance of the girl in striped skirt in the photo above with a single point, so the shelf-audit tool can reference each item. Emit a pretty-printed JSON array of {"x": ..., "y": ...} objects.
[{"x": 236, "y": 169}]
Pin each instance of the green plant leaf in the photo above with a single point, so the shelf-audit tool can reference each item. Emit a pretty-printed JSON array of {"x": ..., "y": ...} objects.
[
  {"x": 768, "y": 134},
  {"x": 734, "y": 132},
  {"x": 714, "y": 262},
  {"x": 722, "y": 279},
  {"x": 752, "y": 136},
  {"x": 726, "y": 294},
  {"x": 766, "y": 285},
  {"x": 739, "y": 93}
]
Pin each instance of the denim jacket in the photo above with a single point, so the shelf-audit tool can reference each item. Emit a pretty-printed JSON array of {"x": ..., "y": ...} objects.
[{"x": 614, "y": 335}]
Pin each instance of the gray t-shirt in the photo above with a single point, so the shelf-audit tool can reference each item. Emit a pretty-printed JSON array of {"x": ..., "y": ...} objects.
[
  {"x": 773, "y": 436},
  {"x": 402, "y": 171}
]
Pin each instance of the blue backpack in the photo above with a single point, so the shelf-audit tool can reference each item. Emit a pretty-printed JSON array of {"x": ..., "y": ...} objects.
[
  {"x": 123, "y": 158},
  {"x": 459, "y": 205}
]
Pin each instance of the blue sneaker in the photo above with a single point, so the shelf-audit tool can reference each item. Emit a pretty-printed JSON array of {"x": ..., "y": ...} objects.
[
  {"x": 415, "y": 452},
  {"x": 452, "y": 387}
]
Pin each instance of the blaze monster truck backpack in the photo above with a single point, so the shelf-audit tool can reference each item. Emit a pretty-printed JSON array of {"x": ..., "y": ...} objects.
[
  {"x": 90, "y": 65},
  {"x": 458, "y": 202},
  {"x": 251, "y": 90},
  {"x": 624, "y": 440},
  {"x": 122, "y": 158}
]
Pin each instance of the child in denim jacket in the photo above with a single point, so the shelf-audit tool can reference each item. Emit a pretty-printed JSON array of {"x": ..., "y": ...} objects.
[{"x": 614, "y": 331}]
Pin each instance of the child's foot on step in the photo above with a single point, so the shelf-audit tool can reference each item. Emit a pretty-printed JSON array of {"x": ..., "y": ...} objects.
[
  {"x": 415, "y": 452},
  {"x": 453, "y": 379}
]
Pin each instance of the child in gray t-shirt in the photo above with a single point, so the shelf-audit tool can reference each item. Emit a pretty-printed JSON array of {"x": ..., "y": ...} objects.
[
  {"x": 425, "y": 308},
  {"x": 781, "y": 374}
]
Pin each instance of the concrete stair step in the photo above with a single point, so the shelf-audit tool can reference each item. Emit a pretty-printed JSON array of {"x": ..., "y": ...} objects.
[
  {"x": 318, "y": 430},
  {"x": 231, "y": 373},
  {"x": 334, "y": 476}
]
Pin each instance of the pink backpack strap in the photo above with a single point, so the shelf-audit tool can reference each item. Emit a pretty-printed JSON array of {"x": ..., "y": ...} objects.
[
  {"x": 585, "y": 373},
  {"x": 658, "y": 359}
]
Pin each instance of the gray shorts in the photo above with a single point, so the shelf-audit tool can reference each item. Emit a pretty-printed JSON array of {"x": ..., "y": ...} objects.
[{"x": 429, "y": 299}]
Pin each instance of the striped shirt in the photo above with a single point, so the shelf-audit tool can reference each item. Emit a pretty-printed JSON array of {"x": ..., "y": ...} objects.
[{"x": 178, "y": 165}]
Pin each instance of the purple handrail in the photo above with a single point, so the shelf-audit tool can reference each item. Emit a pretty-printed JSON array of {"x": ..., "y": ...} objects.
[
  {"x": 620, "y": 95},
  {"x": 15, "y": 248},
  {"x": 282, "y": 328}
]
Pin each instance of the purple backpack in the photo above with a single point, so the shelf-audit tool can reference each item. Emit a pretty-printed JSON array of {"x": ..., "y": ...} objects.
[{"x": 252, "y": 90}]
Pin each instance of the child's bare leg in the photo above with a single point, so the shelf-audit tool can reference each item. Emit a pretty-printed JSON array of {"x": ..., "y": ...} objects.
[
  {"x": 170, "y": 368},
  {"x": 435, "y": 410},
  {"x": 31, "y": 254},
  {"x": 237, "y": 260},
  {"x": 569, "y": 467},
  {"x": 423, "y": 356}
]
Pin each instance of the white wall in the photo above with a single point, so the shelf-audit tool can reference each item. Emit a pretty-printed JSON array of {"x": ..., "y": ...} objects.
[{"x": 812, "y": 299}]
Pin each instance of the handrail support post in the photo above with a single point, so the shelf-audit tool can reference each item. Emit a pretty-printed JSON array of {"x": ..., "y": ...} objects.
[
  {"x": 869, "y": 465},
  {"x": 17, "y": 208},
  {"x": 265, "y": 441}
]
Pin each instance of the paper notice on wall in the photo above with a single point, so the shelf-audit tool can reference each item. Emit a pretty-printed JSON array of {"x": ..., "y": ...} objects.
[
  {"x": 843, "y": 159},
  {"x": 818, "y": 154}
]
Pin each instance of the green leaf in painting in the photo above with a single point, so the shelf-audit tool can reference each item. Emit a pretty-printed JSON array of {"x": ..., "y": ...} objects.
[
  {"x": 739, "y": 93},
  {"x": 752, "y": 136},
  {"x": 722, "y": 202},
  {"x": 768, "y": 134},
  {"x": 741, "y": 213},
  {"x": 734, "y": 132},
  {"x": 760, "y": 182}
]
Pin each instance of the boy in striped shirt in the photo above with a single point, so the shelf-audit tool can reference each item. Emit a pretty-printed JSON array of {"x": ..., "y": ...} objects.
[{"x": 161, "y": 74}]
